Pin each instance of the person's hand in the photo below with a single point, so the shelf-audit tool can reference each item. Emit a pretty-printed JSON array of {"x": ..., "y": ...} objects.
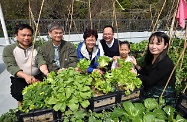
[
  {"x": 98, "y": 70},
  {"x": 135, "y": 63},
  {"x": 133, "y": 60},
  {"x": 60, "y": 70},
  {"x": 77, "y": 69},
  {"x": 30, "y": 79},
  {"x": 115, "y": 58},
  {"x": 133, "y": 71}
]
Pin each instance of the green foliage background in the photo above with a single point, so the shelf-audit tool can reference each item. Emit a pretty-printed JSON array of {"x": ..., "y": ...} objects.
[{"x": 100, "y": 9}]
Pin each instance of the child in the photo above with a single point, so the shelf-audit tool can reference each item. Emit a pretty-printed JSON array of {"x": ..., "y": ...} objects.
[{"x": 124, "y": 54}]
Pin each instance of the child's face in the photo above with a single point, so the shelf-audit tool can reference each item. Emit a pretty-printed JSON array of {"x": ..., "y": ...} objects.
[{"x": 124, "y": 50}]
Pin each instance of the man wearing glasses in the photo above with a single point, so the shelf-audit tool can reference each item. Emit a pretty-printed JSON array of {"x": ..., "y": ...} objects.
[
  {"x": 109, "y": 43},
  {"x": 58, "y": 53}
]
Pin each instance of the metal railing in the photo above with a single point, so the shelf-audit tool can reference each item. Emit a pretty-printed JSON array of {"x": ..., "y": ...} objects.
[{"x": 79, "y": 25}]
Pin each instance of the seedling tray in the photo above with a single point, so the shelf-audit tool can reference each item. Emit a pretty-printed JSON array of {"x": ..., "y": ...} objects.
[
  {"x": 134, "y": 96},
  {"x": 103, "y": 102},
  {"x": 39, "y": 115},
  {"x": 181, "y": 106}
]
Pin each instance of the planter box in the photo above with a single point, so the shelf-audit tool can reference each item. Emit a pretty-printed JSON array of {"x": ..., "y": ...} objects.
[
  {"x": 181, "y": 106},
  {"x": 103, "y": 102},
  {"x": 39, "y": 115},
  {"x": 134, "y": 96},
  {"x": 57, "y": 116}
]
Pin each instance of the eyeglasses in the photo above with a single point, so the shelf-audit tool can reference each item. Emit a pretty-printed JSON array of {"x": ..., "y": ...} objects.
[
  {"x": 91, "y": 40},
  {"x": 107, "y": 34}
]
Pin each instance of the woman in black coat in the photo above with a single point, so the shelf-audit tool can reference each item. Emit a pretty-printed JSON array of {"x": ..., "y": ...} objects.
[{"x": 157, "y": 69}]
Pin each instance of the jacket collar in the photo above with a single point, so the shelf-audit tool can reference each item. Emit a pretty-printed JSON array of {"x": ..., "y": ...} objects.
[
  {"x": 85, "y": 52},
  {"x": 30, "y": 46}
]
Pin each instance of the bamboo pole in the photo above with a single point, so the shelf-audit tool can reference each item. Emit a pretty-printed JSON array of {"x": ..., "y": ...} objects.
[
  {"x": 116, "y": 23},
  {"x": 185, "y": 45},
  {"x": 29, "y": 13},
  {"x": 113, "y": 13},
  {"x": 174, "y": 69},
  {"x": 71, "y": 15},
  {"x": 90, "y": 14},
  {"x": 169, "y": 16},
  {"x": 35, "y": 34},
  {"x": 159, "y": 16},
  {"x": 184, "y": 89}
]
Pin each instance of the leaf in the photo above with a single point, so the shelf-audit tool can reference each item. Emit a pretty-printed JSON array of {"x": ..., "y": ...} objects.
[
  {"x": 103, "y": 61},
  {"x": 149, "y": 117},
  {"x": 52, "y": 100},
  {"x": 85, "y": 103},
  {"x": 69, "y": 92},
  {"x": 117, "y": 112},
  {"x": 59, "y": 106},
  {"x": 160, "y": 114},
  {"x": 85, "y": 95},
  {"x": 80, "y": 114},
  {"x": 63, "y": 107},
  {"x": 68, "y": 113},
  {"x": 74, "y": 99},
  {"x": 170, "y": 112},
  {"x": 130, "y": 109},
  {"x": 150, "y": 104},
  {"x": 161, "y": 102},
  {"x": 83, "y": 64},
  {"x": 92, "y": 119},
  {"x": 139, "y": 109},
  {"x": 85, "y": 88},
  {"x": 137, "y": 119},
  {"x": 109, "y": 120},
  {"x": 180, "y": 119},
  {"x": 73, "y": 106}
]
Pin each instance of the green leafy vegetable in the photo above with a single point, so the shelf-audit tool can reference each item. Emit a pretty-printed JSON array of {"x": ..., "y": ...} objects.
[
  {"x": 70, "y": 89},
  {"x": 83, "y": 64},
  {"x": 103, "y": 61}
]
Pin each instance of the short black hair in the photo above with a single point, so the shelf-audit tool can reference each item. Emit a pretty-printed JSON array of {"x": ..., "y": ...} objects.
[
  {"x": 89, "y": 32},
  {"x": 125, "y": 42},
  {"x": 23, "y": 26},
  {"x": 109, "y": 26}
]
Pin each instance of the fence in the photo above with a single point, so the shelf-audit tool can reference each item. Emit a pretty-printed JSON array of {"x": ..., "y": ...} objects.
[{"x": 79, "y": 25}]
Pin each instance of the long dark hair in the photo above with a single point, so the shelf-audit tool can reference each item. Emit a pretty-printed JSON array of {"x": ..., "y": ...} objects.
[{"x": 149, "y": 57}]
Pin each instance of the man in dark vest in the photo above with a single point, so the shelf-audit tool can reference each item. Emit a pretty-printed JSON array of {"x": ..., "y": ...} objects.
[{"x": 109, "y": 43}]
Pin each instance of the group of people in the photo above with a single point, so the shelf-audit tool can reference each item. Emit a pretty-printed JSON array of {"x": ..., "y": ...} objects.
[{"x": 28, "y": 64}]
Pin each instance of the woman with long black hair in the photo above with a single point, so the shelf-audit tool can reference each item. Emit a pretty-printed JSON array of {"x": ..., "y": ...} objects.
[{"x": 156, "y": 70}]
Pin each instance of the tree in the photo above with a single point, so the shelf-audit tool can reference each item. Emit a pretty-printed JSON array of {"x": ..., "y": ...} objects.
[{"x": 100, "y": 9}]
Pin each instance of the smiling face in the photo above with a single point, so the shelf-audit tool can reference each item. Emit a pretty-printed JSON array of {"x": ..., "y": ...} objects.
[
  {"x": 108, "y": 35},
  {"x": 156, "y": 47},
  {"x": 90, "y": 42},
  {"x": 24, "y": 37},
  {"x": 124, "y": 50},
  {"x": 56, "y": 35}
]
